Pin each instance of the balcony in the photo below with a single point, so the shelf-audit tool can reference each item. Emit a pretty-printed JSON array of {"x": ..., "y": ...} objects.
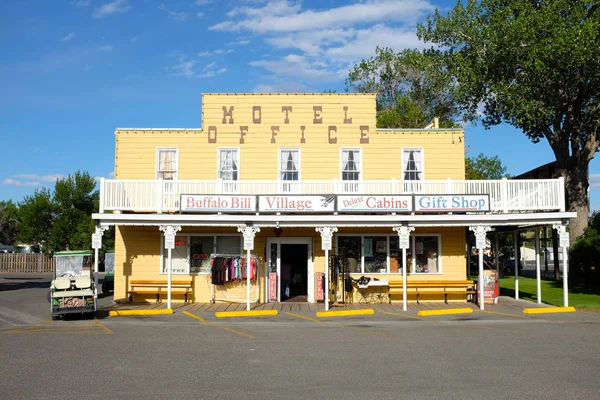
[{"x": 505, "y": 196}]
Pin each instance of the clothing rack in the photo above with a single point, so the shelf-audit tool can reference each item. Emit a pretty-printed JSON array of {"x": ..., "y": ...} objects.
[{"x": 234, "y": 297}]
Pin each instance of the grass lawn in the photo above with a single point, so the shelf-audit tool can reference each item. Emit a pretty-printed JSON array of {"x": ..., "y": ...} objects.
[{"x": 552, "y": 293}]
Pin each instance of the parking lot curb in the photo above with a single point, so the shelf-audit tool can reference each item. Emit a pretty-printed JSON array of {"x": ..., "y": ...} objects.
[
  {"x": 448, "y": 311},
  {"x": 251, "y": 313},
  {"x": 130, "y": 313},
  {"x": 548, "y": 310},
  {"x": 345, "y": 313}
]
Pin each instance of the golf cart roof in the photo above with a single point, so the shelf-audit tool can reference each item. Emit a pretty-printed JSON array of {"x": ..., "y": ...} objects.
[{"x": 73, "y": 253}]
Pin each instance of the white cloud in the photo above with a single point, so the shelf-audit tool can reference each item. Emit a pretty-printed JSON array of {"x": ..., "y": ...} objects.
[
  {"x": 220, "y": 71},
  {"x": 38, "y": 150},
  {"x": 199, "y": 15},
  {"x": 286, "y": 16},
  {"x": 69, "y": 36},
  {"x": 184, "y": 67},
  {"x": 282, "y": 87},
  {"x": 204, "y": 54},
  {"x": 115, "y": 7},
  {"x": 32, "y": 179},
  {"x": 202, "y": 2},
  {"x": 239, "y": 42},
  {"x": 82, "y": 3},
  {"x": 324, "y": 44},
  {"x": 177, "y": 16},
  {"x": 20, "y": 183},
  {"x": 133, "y": 39},
  {"x": 594, "y": 180},
  {"x": 106, "y": 48},
  {"x": 222, "y": 51}
]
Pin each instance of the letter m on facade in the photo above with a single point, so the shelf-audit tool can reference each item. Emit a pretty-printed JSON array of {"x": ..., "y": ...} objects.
[{"x": 228, "y": 114}]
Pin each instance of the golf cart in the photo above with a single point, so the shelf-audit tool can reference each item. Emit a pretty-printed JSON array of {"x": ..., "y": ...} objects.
[
  {"x": 109, "y": 277},
  {"x": 72, "y": 290}
]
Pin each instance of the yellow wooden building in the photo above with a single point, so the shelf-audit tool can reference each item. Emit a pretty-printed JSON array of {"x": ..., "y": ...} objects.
[{"x": 293, "y": 177}]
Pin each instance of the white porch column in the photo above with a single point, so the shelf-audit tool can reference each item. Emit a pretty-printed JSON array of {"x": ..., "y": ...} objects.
[
  {"x": 97, "y": 245},
  {"x": 517, "y": 265},
  {"x": 170, "y": 232},
  {"x": 249, "y": 231},
  {"x": 326, "y": 235},
  {"x": 404, "y": 242},
  {"x": 480, "y": 231},
  {"x": 563, "y": 237},
  {"x": 537, "y": 265}
]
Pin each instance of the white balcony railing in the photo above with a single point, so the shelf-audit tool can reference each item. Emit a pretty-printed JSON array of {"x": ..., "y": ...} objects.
[{"x": 506, "y": 196}]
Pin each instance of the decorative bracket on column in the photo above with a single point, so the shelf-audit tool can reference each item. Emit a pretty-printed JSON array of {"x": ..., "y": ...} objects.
[
  {"x": 404, "y": 235},
  {"x": 249, "y": 231},
  {"x": 480, "y": 231},
  {"x": 326, "y": 234},
  {"x": 170, "y": 231},
  {"x": 563, "y": 235}
]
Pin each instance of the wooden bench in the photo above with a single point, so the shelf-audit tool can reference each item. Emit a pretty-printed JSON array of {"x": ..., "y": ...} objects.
[
  {"x": 445, "y": 287},
  {"x": 158, "y": 287}
]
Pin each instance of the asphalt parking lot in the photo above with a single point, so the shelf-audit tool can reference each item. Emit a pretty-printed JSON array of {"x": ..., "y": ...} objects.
[{"x": 294, "y": 355}]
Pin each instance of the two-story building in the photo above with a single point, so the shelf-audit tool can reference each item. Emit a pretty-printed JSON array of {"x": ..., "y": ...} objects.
[{"x": 303, "y": 173}]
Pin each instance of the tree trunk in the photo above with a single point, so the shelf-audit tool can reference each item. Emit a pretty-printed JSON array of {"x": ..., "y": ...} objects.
[{"x": 576, "y": 188}]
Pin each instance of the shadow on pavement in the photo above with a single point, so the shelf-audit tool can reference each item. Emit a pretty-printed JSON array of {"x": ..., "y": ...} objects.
[{"x": 24, "y": 285}]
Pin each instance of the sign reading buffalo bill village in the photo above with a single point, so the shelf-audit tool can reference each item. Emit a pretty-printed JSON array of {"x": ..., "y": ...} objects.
[
  {"x": 364, "y": 203},
  {"x": 453, "y": 203},
  {"x": 217, "y": 203}
]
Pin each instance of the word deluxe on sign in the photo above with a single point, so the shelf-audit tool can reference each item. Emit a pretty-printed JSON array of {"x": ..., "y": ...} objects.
[{"x": 317, "y": 111}]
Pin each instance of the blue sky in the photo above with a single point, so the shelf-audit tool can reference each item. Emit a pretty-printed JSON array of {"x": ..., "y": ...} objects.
[{"x": 74, "y": 70}]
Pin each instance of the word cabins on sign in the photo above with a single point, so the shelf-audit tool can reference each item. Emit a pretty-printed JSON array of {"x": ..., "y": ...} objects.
[{"x": 228, "y": 118}]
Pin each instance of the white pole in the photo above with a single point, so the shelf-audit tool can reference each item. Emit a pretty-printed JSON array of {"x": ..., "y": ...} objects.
[
  {"x": 326, "y": 280},
  {"x": 170, "y": 263},
  {"x": 404, "y": 266},
  {"x": 537, "y": 266},
  {"x": 96, "y": 274},
  {"x": 248, "y": 265},
  {"x": 565, "y": 277},
  {"x": 496, "y": 252},
  {"x": 480, "y": 280},
  {"x": 516, "y": 265}
]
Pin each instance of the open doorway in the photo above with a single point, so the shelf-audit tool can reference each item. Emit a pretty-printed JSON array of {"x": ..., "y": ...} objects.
[{"x": 294, "y": 273}]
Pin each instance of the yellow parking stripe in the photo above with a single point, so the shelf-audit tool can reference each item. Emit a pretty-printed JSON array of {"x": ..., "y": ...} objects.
[
  {"x": 101, "y": 325},
  {"x": 189, "y": 314},
  {"x": 305, "y": 317}
]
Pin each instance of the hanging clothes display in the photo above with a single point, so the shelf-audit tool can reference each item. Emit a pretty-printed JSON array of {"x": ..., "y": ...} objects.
[{"x": 228, "y": 272}]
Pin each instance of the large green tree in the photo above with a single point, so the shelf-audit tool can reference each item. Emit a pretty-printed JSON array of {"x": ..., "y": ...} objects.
[
  {"x": 483, "y": 167},
  {"x": 534, "y": 65},
  {"x": 36, "y": 214}
]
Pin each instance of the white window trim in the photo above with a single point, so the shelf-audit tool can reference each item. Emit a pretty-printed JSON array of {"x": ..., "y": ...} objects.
[
  {"x": 158, "y": 150},
  {"x": 299, "y": 149},
  {"x": 239, "y": 156},
  {"x": 402, "y": 163},
  {"x": 189, "y": 235},
  {"x": 439, "y": 253},
  {"x": 360, "y": 156},
  {"x": 411, "y": 261}
]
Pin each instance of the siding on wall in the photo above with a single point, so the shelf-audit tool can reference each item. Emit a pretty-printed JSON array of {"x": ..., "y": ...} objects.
[{"x": 320, "y": 159}]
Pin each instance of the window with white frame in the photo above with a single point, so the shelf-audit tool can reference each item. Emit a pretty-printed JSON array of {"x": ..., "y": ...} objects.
[
  {"x": 372, "y": 254},
  {"x": 351, "y": 164},
  {"x": 192, "y": 253},
  {"x": 166, "y": 163},
  {"x": 412, "y": 164},
  {"x": 289, "y": 169},
  {"x": 229, "y": 164}
]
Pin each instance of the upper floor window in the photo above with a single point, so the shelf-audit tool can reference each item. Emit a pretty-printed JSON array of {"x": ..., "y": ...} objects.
[
  {"x": 412, "y": 164},
  {"x": 351, "y": 165},
  {"x": 289, "y": 164},
  {"x": 229, "y": 164},
  {"x": 166, "y": 163}
]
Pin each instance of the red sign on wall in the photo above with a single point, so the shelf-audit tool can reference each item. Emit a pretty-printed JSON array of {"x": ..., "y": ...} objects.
[
  {"x": 272, "y": 286},
  {"x": 320, "y": 286}
]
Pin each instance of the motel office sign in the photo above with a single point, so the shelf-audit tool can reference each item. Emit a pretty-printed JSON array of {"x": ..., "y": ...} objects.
[{"x": 309, "y": 204}]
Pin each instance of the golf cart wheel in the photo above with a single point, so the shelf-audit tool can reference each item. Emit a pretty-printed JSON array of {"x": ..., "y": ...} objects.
[
  {"x": 49, "y": 296},
  {"x": 55, "y": 317}
]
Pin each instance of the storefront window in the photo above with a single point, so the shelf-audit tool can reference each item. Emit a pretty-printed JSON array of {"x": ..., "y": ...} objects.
[
  {"x": 229, "y": 245},
  {"x": 201, "y": 247},
  {"x": 179, "y": 256},
  {"x": 396, "y": 262},
  {"x": 352, "y": 248},
  {"x": 375, "y": 253},
  {"x": 427, "y": 254}
]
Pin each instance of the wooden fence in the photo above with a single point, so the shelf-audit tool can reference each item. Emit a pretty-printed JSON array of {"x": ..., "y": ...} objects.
[{"x": 15, "y": 262}]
